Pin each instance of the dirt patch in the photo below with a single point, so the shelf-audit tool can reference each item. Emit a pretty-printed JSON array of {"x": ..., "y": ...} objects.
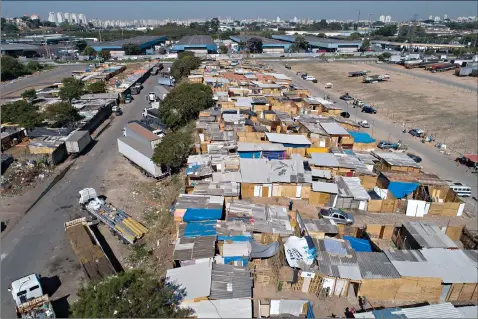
[
  {"x": 24, "y": 175},
  {"x": 448, "y": 113}
]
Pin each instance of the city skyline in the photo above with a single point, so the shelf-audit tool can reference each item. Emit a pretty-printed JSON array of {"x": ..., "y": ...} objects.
[{"x": 343, "y": 10}]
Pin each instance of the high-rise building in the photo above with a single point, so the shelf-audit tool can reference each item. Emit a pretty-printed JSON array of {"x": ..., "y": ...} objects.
[
  {"x": 35, "y": 17},
  {"x": 430, "y": 17},
  {"x": 295, "y": 20},
  {"x": 278, "y": 19},
  {"x": 67, "y": 17},
  {"x": 382, "y": 18},
  {"x": 52, "y": 17},
  {"x": 388, "y": 19},
  {"x": 82, "y": 19},
  {"x": 437, "y": 19},
  {"x": 74, "y": 18},
  {"x": 59, "y": 18},
  {"x": 445, "y": 16}
]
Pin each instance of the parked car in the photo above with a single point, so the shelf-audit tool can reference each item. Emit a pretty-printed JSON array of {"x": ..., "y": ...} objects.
[
  {"x": 128, "y": 99},
  {"x": 384, "y": 145},
  {"x": 337, "y": 215},
  {"x": 118, "y": 112},
  {"x": 314, "y": 81},
  {"x": 287, "y": 66},
  {"x": 358, "y": 103},
  {"x": 310, "y": 78},
  {"x": 364, "y": 124},
  {"x": 414, "y": 157},
  {"x": 346, "y": 97},
  {"x": 417, "y": 132},
  {"x": 369, "y": 109},
  {"x": 345, "y": 114}
]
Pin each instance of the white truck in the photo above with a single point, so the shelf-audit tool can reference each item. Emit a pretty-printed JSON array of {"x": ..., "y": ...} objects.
[
  {"x": 140, "y": 154},
  {"x": 30, "y": 300},
  {"x": 77, "y": 141},
  {"x": 159, "y": 94}
]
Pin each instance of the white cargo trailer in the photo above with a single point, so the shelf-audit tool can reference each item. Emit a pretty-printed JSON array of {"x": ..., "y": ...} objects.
[
  {"x": 140, "y": 154},
  {"x": 77, "y": 141}
]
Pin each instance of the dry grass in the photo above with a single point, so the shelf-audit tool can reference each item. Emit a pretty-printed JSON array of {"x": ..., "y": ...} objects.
[{"x": 441, "y": 110}]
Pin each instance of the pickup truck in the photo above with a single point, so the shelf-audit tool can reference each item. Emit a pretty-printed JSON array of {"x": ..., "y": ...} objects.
[{"x": 30, "y": 300}]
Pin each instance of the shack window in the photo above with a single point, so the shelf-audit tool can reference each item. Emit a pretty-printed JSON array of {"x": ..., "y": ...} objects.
[{"x": 34, "y": 287}]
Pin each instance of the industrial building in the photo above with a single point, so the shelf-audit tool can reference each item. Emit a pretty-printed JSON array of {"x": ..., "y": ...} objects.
[
  {"x": 268, "y": 45},
  {"x": 324, "y": 44},
  {"x": 16, "y": 49},
  {"x": 196, "y": 44},
  {"x": 144, "y": 43}
]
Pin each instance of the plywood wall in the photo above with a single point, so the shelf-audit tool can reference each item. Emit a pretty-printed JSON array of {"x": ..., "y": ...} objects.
[{"x": 463, "y": 292}]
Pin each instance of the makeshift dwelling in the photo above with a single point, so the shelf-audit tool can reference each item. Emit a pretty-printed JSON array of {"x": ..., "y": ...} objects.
[
  {"x": 416, "y": 235},
  {"x": 230, "y": 282},
  {"x": 351, "y": 194},
  {"x": 398, "y": 185},
  {"x": 323, "y": 194},
  {"x": 294, "y": 143},
  {"x": 198, "y": 208},
  {"x": 191, "y": 250},
  {"x": 222, "y": 308},
  {"x": 286, "y": 309},
  {"x": 261, "y": 150},
  {"x": 195, "y": 279},
  {"x": 363, "y": 141},
  {"x": 396, "y": 161}
]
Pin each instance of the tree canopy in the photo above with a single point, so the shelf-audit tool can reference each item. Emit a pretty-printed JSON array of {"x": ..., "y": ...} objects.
[
  {"x": 11, "y": 68},
  {"x": 355, "y": 36},
  {"x": 29, "y": 94},
  {"x": 254, "y": 45},
  {"x": 71, "y": 89},
  {"x": 105, "y": 55},
  {"x": 22, "y": 113},
  {"x": 62, "y": 113},
  {"x": 185, "y": 54},
  {"x": 174, "y": 149},
  {"x": 223, "y": 49},
  {"x": 96, "y": 87},
  {"x": 184, "y": 103},
  {"x": 183, "y": 66},
  {"x": 300, "y": 43},
  {"x": 81, "y": 45},
  {"x": 130, "y": 294},
  {"x": 388, "y": 30},
  {"x": 365, "y": 45},
  {"x": 131, "y": 49},
  {"x": 89, "y": 51}
]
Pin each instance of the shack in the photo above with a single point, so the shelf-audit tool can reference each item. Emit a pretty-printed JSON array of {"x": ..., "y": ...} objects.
[
  {"x": 351, "y": 194},
  {"x": 198, "y": 208},
  {"x": 195, "y": 279},
  {"x": 294, "y": 144},
  {"x": 363, "y": 141},
  {"x": 323, "y": 194},
  {"x": 261, "y": 150},
  {"x": 395, "y": 161}
]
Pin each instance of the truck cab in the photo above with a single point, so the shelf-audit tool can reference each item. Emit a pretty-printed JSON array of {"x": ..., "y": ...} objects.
[{"x": 26, "y": 289}]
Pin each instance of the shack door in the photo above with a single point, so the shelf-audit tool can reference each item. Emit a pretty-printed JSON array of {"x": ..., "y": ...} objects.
[{"x": 444, "y": 292}]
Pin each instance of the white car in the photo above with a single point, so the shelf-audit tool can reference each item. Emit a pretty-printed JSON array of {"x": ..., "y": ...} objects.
[
  {"x": 310, "y": 78},
  {"x": 364, "y": 124}
]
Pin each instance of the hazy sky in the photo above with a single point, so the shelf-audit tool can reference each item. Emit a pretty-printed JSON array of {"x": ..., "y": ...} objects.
[{"x": 399, "y": 10}]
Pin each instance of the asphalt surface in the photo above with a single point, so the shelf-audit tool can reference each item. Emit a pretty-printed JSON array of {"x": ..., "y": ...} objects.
[
  {"x": 37, "y": 243},
  {"x": 45, "y": 78},
  {"x": 428, "y": 77},
  {"x": 383, "y": 129}
]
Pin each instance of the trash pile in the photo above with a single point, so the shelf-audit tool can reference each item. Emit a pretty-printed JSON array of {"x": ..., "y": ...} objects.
[{"x": 24, "y": 174}]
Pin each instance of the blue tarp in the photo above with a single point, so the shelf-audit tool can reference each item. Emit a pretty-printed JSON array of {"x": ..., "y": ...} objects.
[
  {"x": 402, "y": 189},
  {"x": 387, "y": 313},
  {"x": 362, "y": 137},
  {"x": 310, "y": 310},
  {"x": 228, "y": 260},
  {"x": 273, "y": 154},
  {"x": 235, "y": 238},
  {"x": 192, "y": 168},
  {"x": 197, "y": 229},
  {"x": 250, "y": 154},
  {"x": 200, "y": 214},
  {"x": 359, "y": 244}
]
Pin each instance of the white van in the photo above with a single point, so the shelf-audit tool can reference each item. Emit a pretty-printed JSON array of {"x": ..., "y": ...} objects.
[
  {"x": 460, "y": 189},
  {"x": 310, "y": 78}
]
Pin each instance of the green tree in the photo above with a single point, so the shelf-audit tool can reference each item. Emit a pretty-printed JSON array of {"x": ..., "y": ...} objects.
[
  {"x": 131, "y": 49},
  {"x": 62, "y": 113},
  {"x": 81, "y": 45},
  {"x": 105, "y": 55},
  {"x": 34, "y": 66},
  {"x": 29, "y": 95},
  {"x": 184, "y": 103},
  {"x": 182, "y": 67},
  {"x": 365, "y": 45},
  {"x": 174, "y": 149},
  {"x": 71, "y": 89},
  {"x": 254, "y": 45},
  {"x": 97, "y": 87},
  {"x": 241, "y": 45},
  {"x": 89, "y": 51},
  {"x": 355, "y": 36},
  {"x": 22, "y": 113},
  {"x": 322, "y": 25},
  {"x": 300, "y": 43},
  {"x": 185, "y": 54},
  {"x": 321, "y": 35},
  {"x": 223, "y": 49},
  {"x": 335, "y": 26},
  {"x": 11, "y": 68},
  {"x": 384, "y": 56},
  {"x": 90, "y": 25},
  {"x": 388, "y": 30},
  {"x": 214, "y": 25},
  {"x": 130, "y": 294}
]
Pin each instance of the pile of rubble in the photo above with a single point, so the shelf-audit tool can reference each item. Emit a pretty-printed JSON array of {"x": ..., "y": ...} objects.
[{"x": 22, "y": 175}]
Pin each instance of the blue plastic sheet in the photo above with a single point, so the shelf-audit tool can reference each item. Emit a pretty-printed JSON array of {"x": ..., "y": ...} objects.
[
  {"x": 362, "y": 137},
  {"x": 200, "y": 214},
  {"x": 402, "y": 189},
  {"x": 228, "y": 260},
  {"x": 235, "y": 238},
  {"x": 387, "y": 313},
  {"x": 198, "y": 229},
  {"x": 359, "y": 244}
]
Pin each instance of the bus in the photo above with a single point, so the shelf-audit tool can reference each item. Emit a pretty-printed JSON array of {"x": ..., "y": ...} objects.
[{"x": 460, "y": 189}]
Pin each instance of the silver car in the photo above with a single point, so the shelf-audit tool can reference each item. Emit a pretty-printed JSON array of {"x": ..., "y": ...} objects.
[{"x": 338, "y": 216}]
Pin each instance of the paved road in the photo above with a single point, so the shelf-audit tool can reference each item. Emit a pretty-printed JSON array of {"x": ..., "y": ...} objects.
[
  {"x": 428, "y": 77},
  {"x": 433, "y": 160},
  {"x": 37, "y": 243},
  {"x": 44, "y": 78}
]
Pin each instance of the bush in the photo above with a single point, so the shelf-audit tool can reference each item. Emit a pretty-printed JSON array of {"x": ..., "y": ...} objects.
[
  {"x": 72, "y": 89},
  {"x": 12, "y": 68},
  {"x": 97, "y": 87},
  {"x": 183, "y": 66},
  {"x": 62, "y": 114},
  {"x": 174, "y": 149},
  {"x": 23, "y": 113}
]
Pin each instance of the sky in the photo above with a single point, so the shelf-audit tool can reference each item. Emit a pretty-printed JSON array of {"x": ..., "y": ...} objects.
[{"x": 340, "y": 10}]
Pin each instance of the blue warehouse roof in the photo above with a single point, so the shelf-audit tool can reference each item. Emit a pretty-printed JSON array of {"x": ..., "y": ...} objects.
[
  {"x": 142, "y": 41},
  {"x": 195, "y": 41},
  {"x": 266, "y": 42},
  {"x": 320, "y": 42}
]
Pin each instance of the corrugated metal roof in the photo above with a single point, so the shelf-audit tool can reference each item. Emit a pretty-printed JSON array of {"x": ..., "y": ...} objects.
[
  {"x": 288, "y": 139},
  {"x": 442, "y": 310},
  {"x": 429, "y": 235},
  {"x": 376, "y": 265},
  {"x": 287, "y": 171},
  {"x": 258, "y": 147},
  {"x": 325, "y": 187},
  {"x": 320, "y": 225},
  {"x": 355, "y": 187},
  {"x": 396, "y": 159},
  {"x": 342, "y": 265},
  {"x": 185, "y": 201},
  {"x": 235, "y": 249},
  {"x": 255, "y": 170},
  {"x": 223, "y": 308},
  {"x": 334, "y": 129},
  {"x": 219, "y": 177},
  {"x": 227, "y": 189},
  {"x": 230, "y": 282},
  {"x": 195, "y": 248},
  {"x": 321, "y": 173},
  {"x": 468, "y": 311},
  {"x": 325, "y": 160},
  {"x": 195, "y": 279}
]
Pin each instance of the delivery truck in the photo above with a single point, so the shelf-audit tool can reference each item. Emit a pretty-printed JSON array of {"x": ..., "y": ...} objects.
[
  {"x": 30, "y": 300},
  {"x": 168, "y": 81},
  {"x": 140, "y": 154},
  {"x": 77, "y": 141}
]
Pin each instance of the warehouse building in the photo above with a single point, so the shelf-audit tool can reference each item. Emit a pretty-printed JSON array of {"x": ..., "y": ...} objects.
[
  {"x": 268, "y": 45},
  {"x": 196, "y": 44},
  {"x": 145, "y": 43},
  {"x": 323, "y": 44},
  {"x": 17, "y": 49}
]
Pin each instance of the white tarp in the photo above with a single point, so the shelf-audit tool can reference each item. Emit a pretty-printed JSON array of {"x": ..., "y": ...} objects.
[
  {"x": 296, "y": 249},
  {"x": 282, "y": 307},
  {"x": 417, "y": 208}
]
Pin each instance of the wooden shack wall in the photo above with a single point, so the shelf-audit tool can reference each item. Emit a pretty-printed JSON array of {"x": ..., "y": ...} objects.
[
  {"x": 419, "y": 289},
  {"x": 363, "y": 146},
  {"x": 380, "y": 231},
  {"x": 247, "y": 190},
  {"x": 368, "y": 181},
  {"x": 463, "y": 292},
  {"x": 383, "y": 205},
  {"x": 318, "y": 198},
  {"x": 443, "y": 209},
  {"x": 454, "y": 232},
  {"x": 379, "y": 289}
]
